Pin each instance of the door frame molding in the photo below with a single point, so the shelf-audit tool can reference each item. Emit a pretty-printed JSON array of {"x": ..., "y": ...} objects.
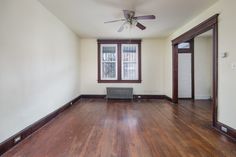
[{"x": 209, "y": 24}]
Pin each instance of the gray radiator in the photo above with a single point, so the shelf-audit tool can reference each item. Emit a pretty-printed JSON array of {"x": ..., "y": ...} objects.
[{"x": 119, "y": 93}]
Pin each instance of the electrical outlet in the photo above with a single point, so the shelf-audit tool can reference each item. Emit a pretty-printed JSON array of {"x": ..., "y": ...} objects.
[
  {"x": 17, "y": 139},
  {"x": 224, "y": 129}
]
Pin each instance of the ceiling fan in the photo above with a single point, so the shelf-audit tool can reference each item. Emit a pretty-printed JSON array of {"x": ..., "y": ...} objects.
[{"x": 131, "y": 19}]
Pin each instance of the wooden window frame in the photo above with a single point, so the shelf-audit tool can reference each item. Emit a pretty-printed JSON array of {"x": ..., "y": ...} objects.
[
  {"x": 119, "y": 62},
  {"x": 116, "y": 61}
]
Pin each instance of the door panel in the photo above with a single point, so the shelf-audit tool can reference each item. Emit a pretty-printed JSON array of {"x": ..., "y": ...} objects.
[{"x": 185, "y": 75}]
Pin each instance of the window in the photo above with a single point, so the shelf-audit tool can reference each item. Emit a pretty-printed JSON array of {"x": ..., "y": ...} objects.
[
  {"x": 119, "y": 61},
  {"x": 184, "y": 46},
  {"x": 109, "y": 62},
  {"x": 129, "y": 62}
]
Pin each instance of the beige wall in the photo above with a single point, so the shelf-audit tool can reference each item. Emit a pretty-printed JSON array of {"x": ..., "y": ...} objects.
[
  {"x": 38, "y": 64},
  {"x": 227, "y": 86},
  {"x": 203, "y": 54},
  {"x": 168, "y": 68},
  {"x": 152, "y": 68}
]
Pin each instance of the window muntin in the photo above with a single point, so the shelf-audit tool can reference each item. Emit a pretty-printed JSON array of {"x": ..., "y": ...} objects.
[{"x": 108, "y": 62}]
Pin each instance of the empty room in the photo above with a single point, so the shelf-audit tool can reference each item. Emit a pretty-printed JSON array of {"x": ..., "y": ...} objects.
[{"x": 117, "y": 78}]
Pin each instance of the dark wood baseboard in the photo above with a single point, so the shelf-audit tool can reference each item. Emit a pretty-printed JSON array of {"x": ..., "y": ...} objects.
[
  {"x": 168, "y": 98},
  {"x": 185, "y": 98},
  {"x": 10, "y": 142},
  {"x": 139, "y": 96},
  {"x": 149, "y": 96},
  {"x": 93, "y": 96},
  {"x": 231, "y": 132}
]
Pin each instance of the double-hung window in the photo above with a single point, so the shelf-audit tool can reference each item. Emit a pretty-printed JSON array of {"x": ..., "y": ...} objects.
[
  {"x": 109, "y": 62},
  {"x": 129, "y": 62},
  {"x": 119, "y": 61}
]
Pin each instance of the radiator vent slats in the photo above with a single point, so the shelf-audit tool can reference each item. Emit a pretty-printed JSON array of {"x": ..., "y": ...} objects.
[{"x": 119, "y": 93}]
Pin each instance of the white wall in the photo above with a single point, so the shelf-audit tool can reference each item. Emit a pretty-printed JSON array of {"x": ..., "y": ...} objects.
[
  {"x": 168, "y": 68},
  {"x": 227, "y": 86},
  {"x": 152, "y": 68},
  {"x": 203, "y": 54},
  {"x": 39, "y": 64}
]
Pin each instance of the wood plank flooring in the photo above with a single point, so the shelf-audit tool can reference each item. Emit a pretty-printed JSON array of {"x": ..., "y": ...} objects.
[{"x": 145, "y": 128}]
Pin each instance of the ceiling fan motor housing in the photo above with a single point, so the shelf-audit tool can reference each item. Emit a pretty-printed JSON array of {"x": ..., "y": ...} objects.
[{"x": 131, "y": 19}]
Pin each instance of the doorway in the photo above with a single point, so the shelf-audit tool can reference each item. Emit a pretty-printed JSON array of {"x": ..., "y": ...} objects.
[
  {"x": 186, "y": 70},
  {"x": 195, "y": 68},
  {"x": 203, "y": 54},
  {"x": 209, "y": 24}
]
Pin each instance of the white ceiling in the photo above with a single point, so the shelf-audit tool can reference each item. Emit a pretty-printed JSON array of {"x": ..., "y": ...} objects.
[{"x": 87, "y": 17}]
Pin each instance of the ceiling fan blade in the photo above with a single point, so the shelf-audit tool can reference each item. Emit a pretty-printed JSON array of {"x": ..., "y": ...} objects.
[
  {"x": 146, "y": 17},
  {"x": 140, "y": 26},
  {"x": 114, "y": 21},
  {"x": 122, "y": 27},
  {"x": 128, "y": 14}
]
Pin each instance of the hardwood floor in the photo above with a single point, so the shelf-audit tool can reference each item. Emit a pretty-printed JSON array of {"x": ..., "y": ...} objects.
[{"x": 145, "y": 128}]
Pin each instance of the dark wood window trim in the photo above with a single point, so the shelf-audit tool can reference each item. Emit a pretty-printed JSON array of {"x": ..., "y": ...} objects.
[
  {"x": 119, "y": 43},
  {"x": 209, "y": 24}
]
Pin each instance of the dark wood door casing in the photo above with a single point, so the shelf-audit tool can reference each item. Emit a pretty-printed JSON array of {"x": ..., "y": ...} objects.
[{"x": 209, "y": 24}]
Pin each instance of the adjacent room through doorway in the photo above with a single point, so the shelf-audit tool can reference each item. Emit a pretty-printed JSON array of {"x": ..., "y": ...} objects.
[{"x": 195, "y": 68}]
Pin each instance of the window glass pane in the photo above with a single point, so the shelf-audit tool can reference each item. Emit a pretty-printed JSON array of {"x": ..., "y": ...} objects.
[
  {"x": 109, "y": 53},
  {"x": 129, "y": 62},
  {"x": 130, "y": 71},
  {"x": 184, "y": 46},
  {"x": 108, "y": 70},
  {"x": 108, "y": 61},
  {"x": 129, "y": 53}
]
